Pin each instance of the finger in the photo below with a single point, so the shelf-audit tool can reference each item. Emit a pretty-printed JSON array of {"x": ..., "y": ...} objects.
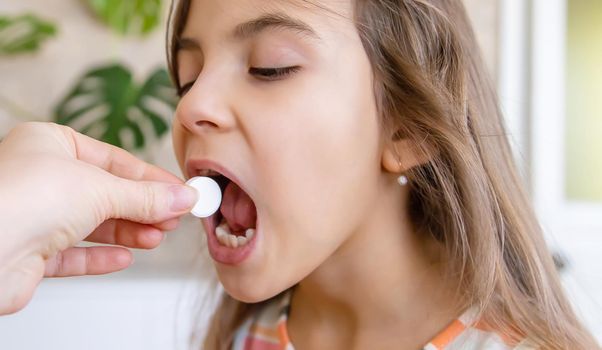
[
  {"x": 147, "y": 202},
  {"x": 168, "y": 225},
  {"x": 152, "y": 194},
  {"x": 115, "y": 160},
  {"x": 126, "y": 233},
  {"x": 80, "y": 261}
]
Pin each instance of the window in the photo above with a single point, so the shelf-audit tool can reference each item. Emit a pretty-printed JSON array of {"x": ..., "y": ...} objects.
[
  {"x": 566, "y": 114},
  {"x": 583, "y": 116}
]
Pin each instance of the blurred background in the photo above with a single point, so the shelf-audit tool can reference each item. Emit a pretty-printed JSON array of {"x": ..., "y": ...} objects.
[{"x": 99, "y": 66}]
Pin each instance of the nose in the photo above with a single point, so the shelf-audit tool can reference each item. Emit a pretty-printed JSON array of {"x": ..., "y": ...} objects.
[{"x": 205, "y": 107}]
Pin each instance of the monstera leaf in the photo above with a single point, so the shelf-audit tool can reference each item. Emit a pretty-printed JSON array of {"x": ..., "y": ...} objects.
[
  {"x": 108, "y": 105},
  {"x": 23, "y": 34},
  {"x": 129, "y": 16}
]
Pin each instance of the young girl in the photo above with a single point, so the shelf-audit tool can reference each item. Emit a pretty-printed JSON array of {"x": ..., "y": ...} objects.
[{"x": 370, "y": 196}]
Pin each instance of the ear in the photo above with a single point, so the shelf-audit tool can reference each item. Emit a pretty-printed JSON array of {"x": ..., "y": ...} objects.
[{"x": 402, "y": 155}]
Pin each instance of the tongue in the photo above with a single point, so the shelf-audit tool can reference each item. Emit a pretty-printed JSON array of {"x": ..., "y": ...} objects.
[{"x": 238, "y": 209}]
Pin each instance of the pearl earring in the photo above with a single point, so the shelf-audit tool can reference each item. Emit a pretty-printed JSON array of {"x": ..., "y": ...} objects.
[{"x": 402, "y": 180}]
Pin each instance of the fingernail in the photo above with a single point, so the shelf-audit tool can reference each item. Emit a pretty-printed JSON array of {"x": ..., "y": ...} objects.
[
  {"x": 182, "y": 198},
  {"x": 125, "y": 258}
]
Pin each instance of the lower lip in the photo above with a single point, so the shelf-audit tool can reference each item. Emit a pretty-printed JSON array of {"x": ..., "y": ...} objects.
[{"x": 226, "y": 255}]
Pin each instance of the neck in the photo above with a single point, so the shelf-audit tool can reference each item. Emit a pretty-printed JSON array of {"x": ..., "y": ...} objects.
[{"x": 384, "y": 284}]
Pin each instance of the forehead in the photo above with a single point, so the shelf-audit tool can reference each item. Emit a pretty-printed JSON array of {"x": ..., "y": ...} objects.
[{"x": 226, "y": 18}]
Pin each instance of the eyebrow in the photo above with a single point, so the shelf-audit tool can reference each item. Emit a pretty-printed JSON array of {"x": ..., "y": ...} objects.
[
  {"x": 273, "y": 20},
  {"x": 255, "y": 26}
]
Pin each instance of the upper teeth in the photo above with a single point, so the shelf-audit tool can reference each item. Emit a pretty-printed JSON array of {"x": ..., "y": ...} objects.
[
  {"x": 225, "y": 237},
  {"x": 208, "y": 172}
]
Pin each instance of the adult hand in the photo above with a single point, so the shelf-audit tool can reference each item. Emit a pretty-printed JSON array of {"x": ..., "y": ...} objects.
[{"x": 59, "y": 187}]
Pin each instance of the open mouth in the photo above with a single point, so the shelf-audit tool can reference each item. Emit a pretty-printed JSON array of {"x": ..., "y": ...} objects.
[{"x": 236, "y": 221}]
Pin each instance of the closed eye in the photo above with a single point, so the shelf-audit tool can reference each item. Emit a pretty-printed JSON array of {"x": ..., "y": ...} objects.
[
  {"x": 268, "y": 74},
  {"x": 184, "y": 88},
  {"x": 273, "y": 73}
]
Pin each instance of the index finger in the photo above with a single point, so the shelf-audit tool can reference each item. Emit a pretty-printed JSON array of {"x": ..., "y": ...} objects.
[{"x": 115, "y": 160}]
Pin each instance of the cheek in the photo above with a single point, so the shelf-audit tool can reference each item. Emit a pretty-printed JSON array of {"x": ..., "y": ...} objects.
[
  {"x": 320, "y": 161},
  {"x": 317, "y": 168}
]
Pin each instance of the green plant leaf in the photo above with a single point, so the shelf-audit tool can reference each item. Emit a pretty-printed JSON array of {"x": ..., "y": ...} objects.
[
  {"x": 128, "y": 16},
  {"x": 23, "y": 33},
  {"x": 108, "y": 105}
]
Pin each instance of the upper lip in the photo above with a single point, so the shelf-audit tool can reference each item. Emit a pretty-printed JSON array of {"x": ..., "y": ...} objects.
[{"x": 206, "y": 167}]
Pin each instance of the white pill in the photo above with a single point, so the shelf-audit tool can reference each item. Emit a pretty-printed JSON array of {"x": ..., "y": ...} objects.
[{"x": 210, "y": 196}]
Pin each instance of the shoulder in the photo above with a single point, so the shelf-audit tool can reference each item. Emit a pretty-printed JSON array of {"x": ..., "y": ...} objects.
[
  {"x": 265, "y": 329},
  {"x": 468, "y": 333}
]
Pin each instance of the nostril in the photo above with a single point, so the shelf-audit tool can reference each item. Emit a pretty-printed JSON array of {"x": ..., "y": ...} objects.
[{"x": 203, "y": 124}]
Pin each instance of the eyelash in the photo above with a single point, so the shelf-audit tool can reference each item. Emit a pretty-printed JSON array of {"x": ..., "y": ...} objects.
[
  {"x": 273, "y": 73},
  {"x": 267, "y": 74}
]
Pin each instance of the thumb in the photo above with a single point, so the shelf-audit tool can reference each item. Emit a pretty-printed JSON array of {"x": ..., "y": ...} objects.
[{"x": 149, "y": 202}]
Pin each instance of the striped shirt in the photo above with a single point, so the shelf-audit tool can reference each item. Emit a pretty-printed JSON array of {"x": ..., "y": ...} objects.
[{"x": 266, "y": 330}]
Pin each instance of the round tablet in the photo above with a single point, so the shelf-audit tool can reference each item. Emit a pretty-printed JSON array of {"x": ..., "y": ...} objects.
[{"x": 210, "y": 196}]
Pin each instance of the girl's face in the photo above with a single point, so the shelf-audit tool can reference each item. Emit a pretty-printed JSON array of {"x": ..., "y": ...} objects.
[{"x": 303, "y": 143}]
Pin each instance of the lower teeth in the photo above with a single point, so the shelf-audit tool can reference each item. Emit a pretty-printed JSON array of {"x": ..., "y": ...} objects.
[{"x": 229, "y": 240}]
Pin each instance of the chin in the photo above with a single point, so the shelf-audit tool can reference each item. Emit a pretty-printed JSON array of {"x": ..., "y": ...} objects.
[{"x": 248, "y": 289}]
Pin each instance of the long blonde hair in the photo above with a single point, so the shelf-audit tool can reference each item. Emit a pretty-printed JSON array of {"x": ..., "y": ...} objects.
[{"x": 431, "y": 87}]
